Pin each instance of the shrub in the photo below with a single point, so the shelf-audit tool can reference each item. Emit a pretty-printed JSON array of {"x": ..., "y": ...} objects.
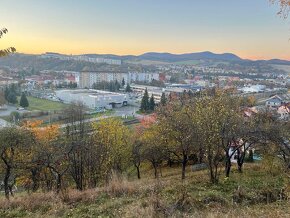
[{"x": 119, "y": 185}]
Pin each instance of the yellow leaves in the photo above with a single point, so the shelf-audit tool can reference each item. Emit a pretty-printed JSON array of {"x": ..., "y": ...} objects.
[
  {"x": 112, "y": 138},
  {"x": 23, "y": 181},
  {"x": 44, "y": 134},
  {"x": 32, "y": 124}
]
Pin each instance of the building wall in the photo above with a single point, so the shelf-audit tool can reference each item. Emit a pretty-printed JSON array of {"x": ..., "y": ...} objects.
[
  {"x": 92, "y": 98},
  {"x": 87, "y": 79}
]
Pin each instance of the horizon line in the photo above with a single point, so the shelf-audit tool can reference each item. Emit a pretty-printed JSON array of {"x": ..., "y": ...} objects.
[{"x": 139, "y": 54}]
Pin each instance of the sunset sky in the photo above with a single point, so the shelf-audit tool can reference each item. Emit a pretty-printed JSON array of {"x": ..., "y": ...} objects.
[{"x": 248, "y": 28}]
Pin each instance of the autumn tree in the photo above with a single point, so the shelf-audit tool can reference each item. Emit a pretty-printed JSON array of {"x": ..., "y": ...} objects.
[
  {"x": 138, "y": 145},
  {"x": 112, "y": 139},
  {"x": 178, "y": 130},
  {"x": 283, "y": 141},
  {"x": 74, "y": 119},
  {"x": 154, "y": 150},
  {"x": 216, "y": 117},
  {"x": 50, "y": 154},
  {"x": 274, "y": 137},
  {"x": 36, "y": 159},
  {"x": 249, "y": 101},
  {"x": 56, "y": 160},
  {"x": 7, "y": 51},
  {"x": 13, "y": 147}
]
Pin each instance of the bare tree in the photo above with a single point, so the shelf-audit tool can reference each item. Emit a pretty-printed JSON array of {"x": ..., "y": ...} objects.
[{"x": 75, "y": 132}]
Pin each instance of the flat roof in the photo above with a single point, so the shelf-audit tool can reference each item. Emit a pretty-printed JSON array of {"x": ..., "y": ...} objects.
[
  {"x": 90, "y": 92},
  {"x": 104, "y": 71}
]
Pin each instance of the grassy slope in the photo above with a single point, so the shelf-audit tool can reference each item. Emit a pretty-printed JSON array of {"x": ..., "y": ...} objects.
[
  {"x": 43, "y": 104},
  {"x": 166, "y": 197}
]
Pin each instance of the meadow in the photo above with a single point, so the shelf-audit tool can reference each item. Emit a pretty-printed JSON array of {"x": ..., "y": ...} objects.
[{"x": 254, "y": 193}]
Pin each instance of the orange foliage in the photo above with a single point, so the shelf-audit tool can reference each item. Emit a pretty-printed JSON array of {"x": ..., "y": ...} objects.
[
  {"x": 44, "y": 134},
  {"x": 148, "y": 120}
]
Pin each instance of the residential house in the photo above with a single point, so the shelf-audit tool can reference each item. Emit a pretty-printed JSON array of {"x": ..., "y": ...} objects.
[
  {"x": 274, "y": 102},
  {"x": 284, "y": 111}
]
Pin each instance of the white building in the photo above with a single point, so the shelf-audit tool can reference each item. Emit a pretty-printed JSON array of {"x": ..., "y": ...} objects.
[
  {"x": 142, "y": 77},
  {"x": 156, "y": 91},
  {"x": 82, "y": 58},
  {"x": 88, "y": 78},
  {"x": 253, "y": 89},
  {"x": 93, "y": 99}
]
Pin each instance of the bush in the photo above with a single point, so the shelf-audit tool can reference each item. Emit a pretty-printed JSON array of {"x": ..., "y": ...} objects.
[{"x": 119, "y": 185}]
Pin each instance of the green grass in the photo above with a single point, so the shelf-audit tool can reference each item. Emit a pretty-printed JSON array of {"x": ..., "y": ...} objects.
[
  {"x": 6, "y": 118},
  {"x": 166, "y": 197},
  {"x": 100, "y": 114},
  {"x": 44, "y": 105}
]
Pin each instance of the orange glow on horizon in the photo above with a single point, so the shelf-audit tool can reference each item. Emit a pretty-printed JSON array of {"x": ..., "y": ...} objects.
[{"x": 39, "y": 45}]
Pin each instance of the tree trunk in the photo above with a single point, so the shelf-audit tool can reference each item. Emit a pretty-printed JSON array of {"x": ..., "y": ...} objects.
[
  {"x": 169, "y": 162},
  {"x": 184, "y": 162},
  {"x": 6, "y": 181},
  {"x": 240, "y": 160},
  {"x": 228, "y": 168},
  {"x": 200, "y": 156},
  {"x": 35, "y": 180},
  {"x": 58, "y": 182},
  {"x": 216, "y": 179},
  {"x": 48, "y": 182},
  {"x": 228, "y": 164},
  {"x": 11, "y": 190},
  {"x": 240, "y": 170},
  {"x": 155, "y": 170},
  {"x": 138, "y": 172}
]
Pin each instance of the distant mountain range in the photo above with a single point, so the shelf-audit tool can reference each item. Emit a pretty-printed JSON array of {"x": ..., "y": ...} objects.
[
  {"x": 168, "y": 57},
  {"x": 190, "y": 56},
  {"x": 28, "y": 61},
  {"x": 171, "y": 58}
]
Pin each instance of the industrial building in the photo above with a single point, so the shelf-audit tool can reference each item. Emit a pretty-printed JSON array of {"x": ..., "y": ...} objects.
[{"x": 93, "y": 99}]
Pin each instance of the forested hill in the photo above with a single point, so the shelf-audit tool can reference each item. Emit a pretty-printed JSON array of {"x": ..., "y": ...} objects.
[
  {"x": 26, "y": 61},
  {"x": 21, "y": 61}
]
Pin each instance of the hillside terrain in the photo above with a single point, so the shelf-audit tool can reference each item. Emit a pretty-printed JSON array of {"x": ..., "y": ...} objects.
[
  {"x": 226, "y": 61},
  {"x": 251, "y": 194}
]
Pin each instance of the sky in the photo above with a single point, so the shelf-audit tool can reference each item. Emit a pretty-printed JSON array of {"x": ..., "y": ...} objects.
[{"x": 249, "y": 28}]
